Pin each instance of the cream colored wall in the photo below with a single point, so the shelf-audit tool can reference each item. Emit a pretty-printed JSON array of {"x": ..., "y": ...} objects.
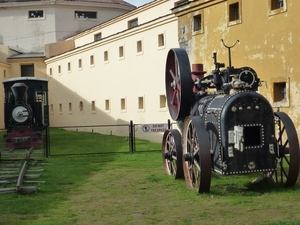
[
  {"x": 130, "y": 77},
  {"x": 144, "y": 14},
  {"x": 269, "y": 42}
]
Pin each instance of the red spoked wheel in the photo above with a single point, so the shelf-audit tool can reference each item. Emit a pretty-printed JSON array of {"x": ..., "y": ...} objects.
[
  {"x": 172, "y": 153},
  {"x": 196, "y": 155},
  {"x": 179, "y": 84},
  {"x": 288, "y": 154}
]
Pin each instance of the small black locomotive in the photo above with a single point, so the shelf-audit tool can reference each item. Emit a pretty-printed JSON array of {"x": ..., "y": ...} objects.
[
  {"x": 225, "y": 126},
  {"x": 26, "y": 111}
]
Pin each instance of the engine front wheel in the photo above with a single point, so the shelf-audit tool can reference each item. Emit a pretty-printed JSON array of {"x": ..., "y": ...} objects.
[
  {"x": 196, "y": 155},
  {"x": 172, "y": 153}
]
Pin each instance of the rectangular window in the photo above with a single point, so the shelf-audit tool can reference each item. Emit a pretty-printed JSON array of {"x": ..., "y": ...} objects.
[
  {"x": 27, "y": 70},
  {"x": 91, "y": 60},
  {"x": 70, "y": 107},
  {"x": 280, "y": 91},
  {"x": 105, "y": 56},
  {"x": 50, "y": 72},
  {"x": 132, "y": 23},
  {"x": 234, "y": 12},
  {"x": 141, "y": 103},
  {"x": 59, "y": 69},
  {"x": 80, "y": 63},
  {"x": 162, "y": 101},
  {"x": 123, "y": 104},
  {"x": 107, "y": 105},
  {"x": 69, "y": 66},
  {"x": 121, "y": 51},
  {"x": 277, "y": 6},
  {"x": 98, "y": 37},
  {"x": 197, "y": 23},
  {"x": 80, "y": 106},
  {"x": 4, "y": 73},
  {"x": 93, "y": 106},
  {"x": 35, "y": 14},
  {"x": 139, "y": 47},
  {"x": 51, "y": 108},
  {"x": 40, "y": 97},
  {"x": 161, "y": 40},
  {"x": 85, "y": 15},
  {"x": 60, "y": 108}
]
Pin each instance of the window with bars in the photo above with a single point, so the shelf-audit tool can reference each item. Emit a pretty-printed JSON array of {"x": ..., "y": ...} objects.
[{"x": 234, "y": 12}]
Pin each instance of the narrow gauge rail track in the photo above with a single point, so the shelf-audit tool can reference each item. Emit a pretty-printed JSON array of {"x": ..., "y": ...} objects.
[{"x": 15, "y": 168}]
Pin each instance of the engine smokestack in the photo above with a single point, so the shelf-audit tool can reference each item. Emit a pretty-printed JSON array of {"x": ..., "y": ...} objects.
[{"x": 20, "y": 92}]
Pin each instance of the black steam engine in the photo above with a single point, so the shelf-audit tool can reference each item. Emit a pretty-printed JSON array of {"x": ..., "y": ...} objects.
[
  {"x": 225, "y": 126},
  {"x": 26, "y": 111}
]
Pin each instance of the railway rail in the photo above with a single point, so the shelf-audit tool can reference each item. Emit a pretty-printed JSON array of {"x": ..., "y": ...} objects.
[{"x": 18, "y": 169}]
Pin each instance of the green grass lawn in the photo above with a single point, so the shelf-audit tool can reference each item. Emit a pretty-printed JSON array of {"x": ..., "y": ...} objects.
[
  {"x": 79, "y": 142},
  {"x": 132, "y": 188}
]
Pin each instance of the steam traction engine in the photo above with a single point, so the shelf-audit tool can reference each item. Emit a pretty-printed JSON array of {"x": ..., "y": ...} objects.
[{"x": 225, "y": 125}]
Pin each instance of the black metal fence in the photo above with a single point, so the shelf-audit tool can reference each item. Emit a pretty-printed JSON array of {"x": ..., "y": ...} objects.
[{"x": 95, "y": 139}]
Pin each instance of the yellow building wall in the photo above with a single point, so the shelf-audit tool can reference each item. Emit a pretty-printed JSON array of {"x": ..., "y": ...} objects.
[
  {"x": 39, "y": 66},
  {"x": 268, "y": 42},
  {"x": 4, "y": 74}
]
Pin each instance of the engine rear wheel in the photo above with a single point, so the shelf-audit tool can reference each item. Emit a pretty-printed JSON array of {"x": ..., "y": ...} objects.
[
  {"x": 179, "y": 84},
  {"x": 172, "y": 153},
  {"x": 196, "y": 155},
  {"x": 288, "y": 155}
]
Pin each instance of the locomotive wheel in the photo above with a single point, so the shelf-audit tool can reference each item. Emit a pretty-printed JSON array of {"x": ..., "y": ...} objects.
[
  {"x": 179, "y": 84},
  {"x": 196, "y": 154},
  {"x": 172, "y": 153},
  {"x": 288, "y": 152}
]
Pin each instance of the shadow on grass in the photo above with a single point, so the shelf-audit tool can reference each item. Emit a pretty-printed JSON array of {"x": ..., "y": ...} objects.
[{"x": 244, "y": 185}]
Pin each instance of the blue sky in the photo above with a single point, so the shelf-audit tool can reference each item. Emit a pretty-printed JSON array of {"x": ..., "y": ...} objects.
[{"x": 138, "y": 2}]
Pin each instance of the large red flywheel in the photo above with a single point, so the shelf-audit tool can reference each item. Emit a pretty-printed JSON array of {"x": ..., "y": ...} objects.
[{"x": 179, "y": 84}]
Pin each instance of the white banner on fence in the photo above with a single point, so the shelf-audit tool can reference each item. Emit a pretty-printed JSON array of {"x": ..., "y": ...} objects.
[{"x": 154, "y": 128}]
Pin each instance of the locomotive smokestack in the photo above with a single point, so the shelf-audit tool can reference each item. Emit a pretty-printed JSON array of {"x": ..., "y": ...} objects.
[{"x": 20, "y": 92}]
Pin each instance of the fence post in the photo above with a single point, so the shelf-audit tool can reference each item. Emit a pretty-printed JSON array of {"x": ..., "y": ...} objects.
[
  {"x": 47, "y": 139},
  {"x": 131, "y": 137}
]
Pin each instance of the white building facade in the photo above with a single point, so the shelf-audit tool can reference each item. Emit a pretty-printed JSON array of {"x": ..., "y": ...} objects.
[
  {"x": 116, "y": 73},
  {"x": 27, "y": 25}
]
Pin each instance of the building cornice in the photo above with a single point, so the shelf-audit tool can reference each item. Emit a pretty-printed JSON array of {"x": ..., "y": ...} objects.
[
  {"x": 119, "y": 18},
  {"x": 5, "y": 4},
  {"x": 112, "y": 38}
]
